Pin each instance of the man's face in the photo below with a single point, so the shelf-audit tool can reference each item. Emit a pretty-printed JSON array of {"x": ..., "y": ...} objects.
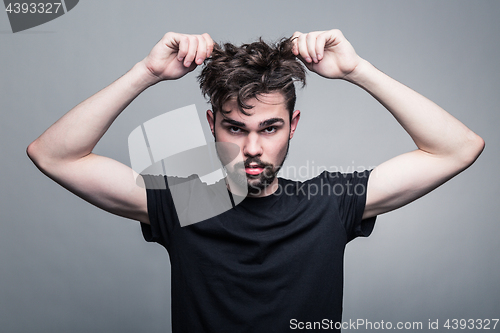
[{"x": 263, "y": 138}]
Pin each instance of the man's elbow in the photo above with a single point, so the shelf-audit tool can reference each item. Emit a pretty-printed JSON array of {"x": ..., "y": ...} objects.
[
  {"x": 471, "y": 149},
  {"x": 36, "y": 156},
  {"x": 31, "y": 151}
]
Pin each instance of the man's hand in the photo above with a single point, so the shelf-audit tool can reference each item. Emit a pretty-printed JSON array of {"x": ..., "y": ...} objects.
[
  {"x": 64, "y": 151},
  {"x": 327, "y": 53},
  {"x": 176, "y": 54},
  {"x": 445, "y": 146}
]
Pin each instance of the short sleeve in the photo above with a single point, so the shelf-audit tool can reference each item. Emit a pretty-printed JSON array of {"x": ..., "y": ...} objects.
[
  {"x": 350, "y": 190},
  {"x": 161, "y": 211}
]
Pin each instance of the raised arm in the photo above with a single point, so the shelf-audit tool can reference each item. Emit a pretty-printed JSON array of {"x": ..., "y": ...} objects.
[
  {"x": 64, "y": 151},
  {"x": 445, "y": 145}
]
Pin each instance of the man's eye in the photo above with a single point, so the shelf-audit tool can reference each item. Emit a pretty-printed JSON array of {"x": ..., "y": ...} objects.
[
  {"x": 234, "y": 129},
  {"x": 270, "y": 129}
]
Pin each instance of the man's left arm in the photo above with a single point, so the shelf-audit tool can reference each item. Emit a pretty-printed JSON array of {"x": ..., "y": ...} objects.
[{"x": 445, "y": 145}]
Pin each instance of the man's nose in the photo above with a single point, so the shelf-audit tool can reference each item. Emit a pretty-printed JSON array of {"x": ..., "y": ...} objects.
[{"x": 253, "y": 145}]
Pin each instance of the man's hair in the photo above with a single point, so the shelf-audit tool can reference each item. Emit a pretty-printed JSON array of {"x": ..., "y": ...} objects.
[{"x": 244, "y": 72}]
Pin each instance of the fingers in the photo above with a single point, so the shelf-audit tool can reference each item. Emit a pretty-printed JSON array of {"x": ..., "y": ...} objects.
[
  {"x": 191, "y": 53},
  {"x": 303, "y": 50},
  {"x": 310, "y": 47},
  {"x": 320, "y": 46},
  {"x": 201, "y": 52},
  {"x": 209, "y": 43},
  {"x": 294, "y": 38},
  {"x": 183, "y": 47},
  {"x": 300, "y": 46},
  {"x": 193, "y": 49}
]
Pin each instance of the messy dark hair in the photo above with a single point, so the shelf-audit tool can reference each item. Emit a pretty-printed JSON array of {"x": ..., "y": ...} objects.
[{"x": 244, "y": 72}]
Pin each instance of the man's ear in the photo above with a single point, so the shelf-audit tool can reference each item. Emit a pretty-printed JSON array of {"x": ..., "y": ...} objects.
[
  {"x": 294, "y": 122},
  {"x": 211, "y": 121}
]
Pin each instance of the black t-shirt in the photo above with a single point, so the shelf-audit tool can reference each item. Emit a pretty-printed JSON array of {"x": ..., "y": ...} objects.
[{"x": 266, "y": 264}]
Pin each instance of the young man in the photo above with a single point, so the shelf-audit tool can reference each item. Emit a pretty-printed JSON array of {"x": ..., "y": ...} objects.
[{"x": 275, "y": 260}]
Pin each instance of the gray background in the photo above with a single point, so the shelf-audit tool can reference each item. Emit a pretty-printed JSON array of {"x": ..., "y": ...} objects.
[{"x": 69, "y": 267}]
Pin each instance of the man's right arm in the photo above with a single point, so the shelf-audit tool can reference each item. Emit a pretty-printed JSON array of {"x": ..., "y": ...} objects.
[{"x": 64, "y": 151}]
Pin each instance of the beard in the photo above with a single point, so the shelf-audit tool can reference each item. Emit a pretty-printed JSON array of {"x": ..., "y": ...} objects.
[{"x": 255, "y": 183}]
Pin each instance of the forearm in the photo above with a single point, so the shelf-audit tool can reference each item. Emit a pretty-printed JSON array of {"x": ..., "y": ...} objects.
[
  {"x": 433, "y": 130},
  {"x": 75, "y": 134}
]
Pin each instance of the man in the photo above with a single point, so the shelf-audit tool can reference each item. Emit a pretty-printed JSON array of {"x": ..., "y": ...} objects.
[{"x": 273, "y": 262}]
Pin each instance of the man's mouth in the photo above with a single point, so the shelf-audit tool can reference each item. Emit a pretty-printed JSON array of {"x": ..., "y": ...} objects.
[{"x": 254, "y": 169}]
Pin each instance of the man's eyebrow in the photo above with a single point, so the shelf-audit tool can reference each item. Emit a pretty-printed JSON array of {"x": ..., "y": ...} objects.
[
  {"x": 232, "y": 122},
  {"x": 271, "y": 121},
  {"x": 264, "y": 123}
]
